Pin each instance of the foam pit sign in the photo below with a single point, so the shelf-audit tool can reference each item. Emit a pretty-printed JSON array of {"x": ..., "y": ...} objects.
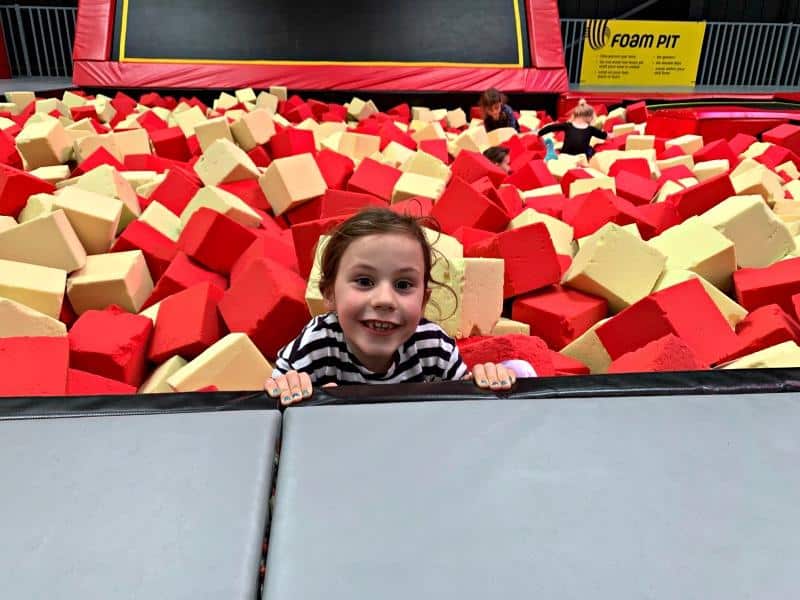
[{"x": 641, "y": 53}]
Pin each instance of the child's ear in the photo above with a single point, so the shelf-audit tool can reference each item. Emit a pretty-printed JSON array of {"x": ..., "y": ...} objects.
[
  {"x": 329, "y": 302},
  {"x": 425, "y": 299}
]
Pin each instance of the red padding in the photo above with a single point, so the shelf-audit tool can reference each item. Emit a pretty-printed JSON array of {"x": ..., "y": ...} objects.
[{"x": 93, "y": 30}]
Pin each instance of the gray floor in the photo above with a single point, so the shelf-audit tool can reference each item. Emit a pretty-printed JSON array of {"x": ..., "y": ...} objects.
[
  {"x": 169, "y": 507},
  {"x": 655, "y": 498},
  {"x": 35, "y": 84}
]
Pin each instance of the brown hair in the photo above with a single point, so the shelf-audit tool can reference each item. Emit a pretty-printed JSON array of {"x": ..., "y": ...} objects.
[
  {"x": 496, "y": 154},
  {"x": 491, "y": 97},
  {"x": 582, "y": 110},
  {"x": 372, "y": 221}
]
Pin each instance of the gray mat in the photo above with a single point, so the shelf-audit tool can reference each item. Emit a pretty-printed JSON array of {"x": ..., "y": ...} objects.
[
  {"x": 621, "y": 498},
  {"x": 135, "y": 507}
]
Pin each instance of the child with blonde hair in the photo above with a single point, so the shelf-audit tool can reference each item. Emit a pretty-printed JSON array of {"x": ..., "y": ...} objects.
[{"x": 578, "y": 131}]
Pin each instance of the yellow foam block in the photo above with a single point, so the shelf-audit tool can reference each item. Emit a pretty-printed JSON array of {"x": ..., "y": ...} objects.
[
  {"x": 221, "y": 201},
  {"x": 48, "y": 241},
  {"x": 528, "y": 118},
  {"x": 732, "y": 311},
  {"x": 561, "y": 233},
  {"x": 630, "y": 227},
  {"x": 358, "y": 145},
  {"x": 104, "y": 110},
  {"x": 85, "y": 145},
  {"x": 157, "y": 382},
  {"x": 421, "y": 113},
  {"x": 547, "y": 190},
  {"x": 138, "y": 178},
  {"x": 119, "y": 278},
  {"x": 48, "y": 105},
  {"x": 18, "y": 320},
  {"x": 475, "y": 139},
  {"x": 688, "y": 182},
  {"x": 52, "y": 174},
  {"x": 324, "y": 130},
  {"x": 314, "y": 299},
  {"x": 559, "y": 166},
  {"x": 423, "y": 163},
  {"x": 71, "y": 100},
  {"x": 588, "y": 349},
  {"x": 268, "y": 101},
  {"x": 187, "y": 119},
  {"x": 37, "y": 205},
  {"x": 500, "y": 135},
  {"x": 789, "y": 168},
  {"x": 7, "y": 223},
  {"x": 685, "y": 159},
  {"x": 639, "y": 142},
  {"x": 290, "y": 181},
  {"x": 709, "y": 168},
  {"x": 456, "y": 118},
  {"x": 689, "y": 143},
  {"x": 760, "y": 238},
  {"x": 448, "y": 269},
  {"x": 396, "y": 154},
  {"x": 759, "y": 180},
  {"x": 107, "y": 181},
  {"x": 94, "y": 217},
  {"x": 783, "y": 355},
  {"x": 360, "y": 110},
  {"x": 596, "y": 267},
  {"x": 785, "y": 209},
  {"x": 667, "y": 189},
  {"x": 696, "y": 246},
  {"x": 145, "y": 189},
  {"x": 133, "y": 141},
  {"x": 756, "y": 149},
  {"x": 151, "y": 312},
  {"x": 280, "y": 91},
  {"x": 43, "y": 144},
  {"x": 39, "y": 288},
  {"x": 793, "y": 187},
  {"x": 224, "y": 162},
  {"x": 624, "y": 128},
  {"x": 481, "y": 296},
  {"x": 129, "y": 122},
  {"x": 603, "y": 160},
  {"x": 20, "y": 99},
  {"x": 224, "y": 101},
  {"x": 507, "y": 326},
  {"x": 231, "y": 364},
  {"x": 245, "y": 95},
  {"x": 409, "y": 185},
  {"x": 584, "y": 186},
  {"x": 253, "y": 129},
  {"x": 430, "y": 131}
]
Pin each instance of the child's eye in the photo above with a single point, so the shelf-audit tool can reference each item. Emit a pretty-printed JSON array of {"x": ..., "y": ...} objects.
[
  {"x": 363, "y": 282},
  {"x": 404, "y": 285}
]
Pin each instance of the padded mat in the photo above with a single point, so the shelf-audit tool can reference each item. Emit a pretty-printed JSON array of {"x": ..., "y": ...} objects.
[
  {"x": 691, "y": 497},
  {"x": 135, "y": 507}
]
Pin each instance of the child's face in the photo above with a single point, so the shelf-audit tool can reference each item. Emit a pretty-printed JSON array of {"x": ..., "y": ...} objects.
[
  {"x": 505, "y": 164},
  {"x": 494, "y": 110},
  {"x": 379, "y": 295}
]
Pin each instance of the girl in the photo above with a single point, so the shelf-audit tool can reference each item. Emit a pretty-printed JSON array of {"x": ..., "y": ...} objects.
[
  {"x": 501, "y": 156},
  {"x": 496, "y": 113},
  {"x": 376, "y": 276},
  {"x": 578, "y": 131}
]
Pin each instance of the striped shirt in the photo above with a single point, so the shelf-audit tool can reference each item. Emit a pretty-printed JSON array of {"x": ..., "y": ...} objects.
[{"x": 321, "y": 351}]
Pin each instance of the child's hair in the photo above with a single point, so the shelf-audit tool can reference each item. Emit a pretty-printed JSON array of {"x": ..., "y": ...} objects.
[
  {"x": 582, "y": 110},
  {"x": 371, "y": 221},
  {"x": 496, "y": 154},
  {"x": 491, "y": 97}
]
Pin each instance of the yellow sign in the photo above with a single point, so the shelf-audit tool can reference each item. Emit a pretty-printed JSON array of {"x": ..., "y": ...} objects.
[{"x": 641, "y": 53}]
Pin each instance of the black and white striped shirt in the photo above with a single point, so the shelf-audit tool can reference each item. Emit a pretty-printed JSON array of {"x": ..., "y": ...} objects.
[{"x": 321, "y": 351}]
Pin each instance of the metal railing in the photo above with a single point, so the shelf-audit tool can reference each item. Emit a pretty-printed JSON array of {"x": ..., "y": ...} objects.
[
  {"x": 39, "y": 39},
  {"x": 734, "y": 55}
]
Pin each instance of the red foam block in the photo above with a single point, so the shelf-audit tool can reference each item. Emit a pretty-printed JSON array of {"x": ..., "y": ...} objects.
[
  {"x": 589, "y": 212},
  {"x": 267, "y": 302},
  {"x": 336, "y": 203},
  {"x": 470, "y": 166},
  {"x": 716, "y": 150},
  {"x": 83, "y": 383},
  {"x": 372, "y": 177},
  {"x": 775, "y": 284},
  {"x": 637, "y": 166},
  {"x": 171, "y": 143},
  {"x": 181, "y": 274},
  {"x": 532, "y": 175},
  {"x": 437, "y": 148},
  {"x": 559, "y": 315},
  {"x": 34, "y": 366},
  {"x": 786, "y": 135},
  {"x": 187, "y": 323},
  {"x": 111, "y": 343},
  {"x": 668, "y": 353},
  {"x": 764, "y": 327},
  {"x": 566, "y": 365},
  {"x": 305, "y": 237},
  {"x": 531, "y": 261},
  {"x": 479, "y": 350},
  {"x": 634, "y": 188},
  {"x": 336, "y": 168},
  {"x": 415, "y": 207},
  {"x": 685, "y": 310},
  {"x": 290, "y": 142},
  {"x": 215, "y": 240},
  {"x": 249, "y": 191},
  {"x": 701, "y": 197},
  {"x": 266, "y": 245},
  {"x": 461, "y": 205},
  {"x": 157, "y": 248},
  {"x": 16, "y": 186}
]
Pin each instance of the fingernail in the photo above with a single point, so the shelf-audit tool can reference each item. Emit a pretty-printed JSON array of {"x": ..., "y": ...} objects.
[
  {"x": 306, "y": 393},
  {"x": 276, "y": 392},
  {"x": 296, "y": 395},
  {"x": 483, "y": 382},
  {"x": 286, "y": 398},
  {"x": 494, "y": 384},
  {"x": 504, "y": 382}
]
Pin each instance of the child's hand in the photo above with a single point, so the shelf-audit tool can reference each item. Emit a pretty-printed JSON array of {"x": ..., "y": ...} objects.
[
  {"x": 292, "y": 387},
  {"x": 493, "y": 376}
]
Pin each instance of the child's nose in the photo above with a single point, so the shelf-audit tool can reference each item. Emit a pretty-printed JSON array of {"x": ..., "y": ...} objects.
[{"x": 383, "y": 296}]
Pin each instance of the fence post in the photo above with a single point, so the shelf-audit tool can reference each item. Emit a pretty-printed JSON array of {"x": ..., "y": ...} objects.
[
  {"x": 18, "y": 13},
  {"x": 787, "y": 30}
]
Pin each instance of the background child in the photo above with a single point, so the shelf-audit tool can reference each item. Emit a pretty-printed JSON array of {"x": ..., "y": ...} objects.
[
  {"x": 376, "y": 276},
  {"x": 578, "y": 131},
  {"x": 496, "y": 113},
  {"x": 499, "y": 155}
]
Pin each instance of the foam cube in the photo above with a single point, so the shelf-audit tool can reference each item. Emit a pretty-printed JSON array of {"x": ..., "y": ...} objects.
[
  {"x": 530, "y": 258},
  {"x": 471, "y": 166},
  {"x": 732, "y": 312},
  {"x": 689, "y": 143},
  {"x": 707, "y": 169},
  {"x": 111, "y": 343},
  {"x": 16, "y": 187},
  {"x": 505, "y": 326},
  {"x": 696, "y": 246},
  {"x": 94, "y": 217},
  {"x": 162, "y": 220},
  {"x": 560, "y": 233},
  {"x": 19, "y": 320},
  {"x": 223, "y": 202},
  {"x": 372, "y": 177},
  {"x": 214, "y": 240},
  {"x": 462, "y": 205},
  {"x": 340, "y": 202},
  {"x": 290, "y": 181},
  {"x": 777, "y": 284},
  {"x": 231, "y": 364},
  {"x": 107, "y": 181},
  {"x": 588, "y": 213},
  {"x": 456, "y": 118},
  {"x": 423, "y": 163},
  {"x": 589, "y": 350},
  {"x": 685, "y": 310},
  {"x": 34, "y": 366},
  {"x": 253, "y": 129},
  {"x": 158, "y": 249},
  {"x": 785, "y": 354},
  {"x": 119, "y": 278},
  {"x": 175, "y": 191},
  {"x": 134, "y": 142},
  {"x": 48, "y": 241},
  {"x": 210, "y": 130},
  {"x": 157, "y": 382},
  {"x": 82, "y": 383},
  {"x": 634, "y": 188},
  {"x": 37, "y": 287},
  {"x": 702, "y": 197},
  {"x": 44, "y": 143},
  {"x": 358, "y": 145},
  {"x": 52, "y": 174},
  {"x": 224, "y": 162},
  {"x": 481, "y": 298},
  {"x": 181, "y": 274},
  {"x": 758, "y": 180},
  {"x": 764, "y": 327},
  {"x": 639, "y": 142},
  {"x": 595, "y": 268},
  {"x": 267, "y": 302},
  {"x": 760, "y": 238},
  {"x": 409, "y": 185},
  {"x": 668, "y": 353},
  {"x": 558, "y": 315},
  {"x": 508, "y": 347},
  {"x": 170, "y": 143},
  {"x": 475, "y": 139}
]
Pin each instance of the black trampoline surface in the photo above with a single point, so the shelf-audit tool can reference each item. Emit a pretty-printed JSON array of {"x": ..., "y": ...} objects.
[{"x": 657, "y": 497}]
